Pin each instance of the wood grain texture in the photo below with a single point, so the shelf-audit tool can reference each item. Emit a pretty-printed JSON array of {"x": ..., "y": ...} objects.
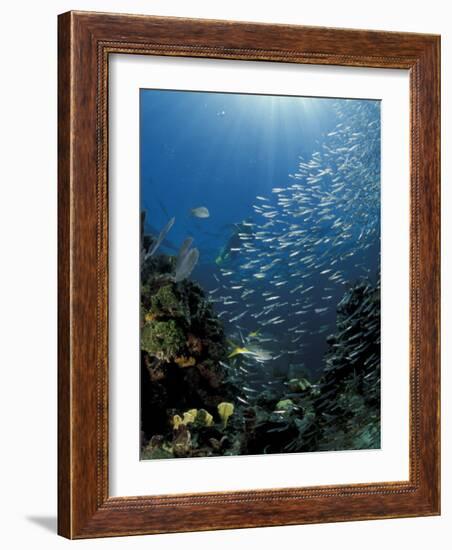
[
  {"x": 64, "y": 295},
  {"x": 85, "y": 42}
]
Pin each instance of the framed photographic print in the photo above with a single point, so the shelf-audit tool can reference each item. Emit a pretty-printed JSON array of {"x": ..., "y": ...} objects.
[{"x": 248, "y": 275}]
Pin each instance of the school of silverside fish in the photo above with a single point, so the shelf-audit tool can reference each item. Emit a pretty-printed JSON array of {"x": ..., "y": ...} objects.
[{"x": 224, "y": 369}]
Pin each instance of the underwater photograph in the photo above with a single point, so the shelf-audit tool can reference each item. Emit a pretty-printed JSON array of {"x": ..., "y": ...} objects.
[{"x": 259, "y": 274}]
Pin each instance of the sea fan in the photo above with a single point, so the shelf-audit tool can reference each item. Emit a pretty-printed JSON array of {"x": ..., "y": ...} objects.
[
  {"x": 183, "y": 251},
  {"x": 160, "y": 238},
  {"x": 186, "y": 265}
]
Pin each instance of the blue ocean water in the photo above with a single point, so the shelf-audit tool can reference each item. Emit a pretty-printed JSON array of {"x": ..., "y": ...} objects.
[{"x": 292, "y": 190}]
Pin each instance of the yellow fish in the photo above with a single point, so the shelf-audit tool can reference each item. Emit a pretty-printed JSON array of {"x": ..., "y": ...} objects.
[{"x": 238, "y": 351}]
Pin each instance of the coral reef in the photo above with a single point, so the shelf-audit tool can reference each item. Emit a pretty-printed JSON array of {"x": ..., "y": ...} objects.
[
  {"x": 182, "y": 345},
  {"x": 191, "y": 402},
  {"x": 348, "y": 406},
  {"x": 162, "y": 339}
]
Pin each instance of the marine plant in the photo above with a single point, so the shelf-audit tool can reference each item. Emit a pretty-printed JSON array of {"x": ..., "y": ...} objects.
[
  {"x": 284, "y": 405},
  {"x": 204, "y": 418},
  {"x": 176, "y": 421},
  {"x": 187, "y": 265},
  {"x": 189, "y": 416},
  {"x": 158, "y": 241},
  {"x": 225, "y": 410}
]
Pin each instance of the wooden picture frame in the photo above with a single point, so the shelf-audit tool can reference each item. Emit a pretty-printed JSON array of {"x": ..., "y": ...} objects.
[{"x": 86, "y": 40}]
